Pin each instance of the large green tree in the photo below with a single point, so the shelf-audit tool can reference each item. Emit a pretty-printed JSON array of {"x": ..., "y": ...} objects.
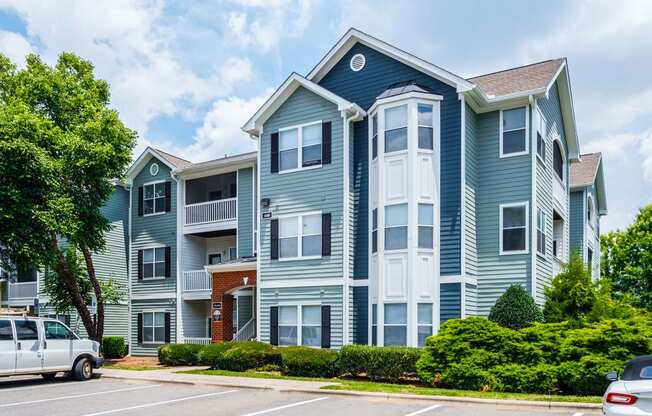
[
  {"x": 627, "y": 260},
  {"x": 61, "y": 148}
]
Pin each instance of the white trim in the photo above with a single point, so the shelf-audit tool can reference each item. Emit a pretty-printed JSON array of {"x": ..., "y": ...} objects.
[
  {"x": 153, "y": 263},
  {"x": 364, "y": 62},
  {"x": 181, "y": 194},
  {"x": 129, "y": 273},
  {"x": 503, "y": 155},
  {"x": 458, "y": 279},
  {"x": 156, "y": 295},
  {"x": 299, "y": 323},
  {"x": 401, "y": 99},
  {"x": 258, "y": 234},
  {"x": 358, "y": 282},
  {"x": 533, "y": 197},
  {"x": 299, "y": 128},
  {"x": 230, "y": 267},
  {"x": 154, "y": 213},
  {"x": 143, "y": 159},
  {"x": 526, "y": 204},
  {"x": 463, "y": 186},
  {"x": 151, "y": 168},
  {"x": 310, "y": 282}
]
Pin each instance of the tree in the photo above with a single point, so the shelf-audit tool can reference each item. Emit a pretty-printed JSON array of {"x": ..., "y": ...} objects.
[
  {"x": 61, "y": 146},
  {"x": 627, "y": 260},
  {"x": 572, "y": 293},
  {"x": 515, "y": 309}
]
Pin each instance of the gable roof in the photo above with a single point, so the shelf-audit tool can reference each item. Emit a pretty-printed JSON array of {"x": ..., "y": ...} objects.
[
  {"x": 353, "y": 36},
  {"x": 178, "y": 162},
  {"x": 586, "y": 172},
  {"x": 254, "y": 125}
]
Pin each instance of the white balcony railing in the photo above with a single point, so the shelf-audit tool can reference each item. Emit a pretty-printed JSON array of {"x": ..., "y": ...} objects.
[
  {"x": 200, "y": 341},
  {"x": 559, "y": 191},
  {"x": 247, "y": 332},
  {"x": 196, "y": 280},
  {"x": 211, "y": 211},
  {"x": 22, "y": 290}
]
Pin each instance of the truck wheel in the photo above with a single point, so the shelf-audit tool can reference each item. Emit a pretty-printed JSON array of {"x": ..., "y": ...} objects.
[
  {"x": 83, "y": 370},
  {"x": 49, "y": 376}
]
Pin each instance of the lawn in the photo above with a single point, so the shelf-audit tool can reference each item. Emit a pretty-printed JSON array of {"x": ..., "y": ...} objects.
[{"x": 368, "y": 386}]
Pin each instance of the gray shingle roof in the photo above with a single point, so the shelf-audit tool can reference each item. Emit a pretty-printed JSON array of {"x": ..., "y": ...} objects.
[
  {"x": 583, "y": 173},
  {"x": 402, "y": 88},
  {"x": 175, "y": 160},
  {"x": 521, "y": 79}
]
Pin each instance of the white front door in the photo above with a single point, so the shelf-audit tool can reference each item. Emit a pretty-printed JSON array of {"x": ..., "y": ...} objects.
[
  {"x": 29, "y": 356},
  {"x": 7, "y": 348},
  {"x": 58, "y": 346}
]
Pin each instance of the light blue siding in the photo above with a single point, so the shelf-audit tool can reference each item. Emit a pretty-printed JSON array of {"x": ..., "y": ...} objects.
[
  {"x": 451, "y": 301},
  {"x": 470, "y": 193},
  {"x": 195, "y": 314},
  {"x": 577, "y": 222},
  {"x": 470, "y": 300},
  {"x": 162, "y": 305},
  {"x": 245, "y": 212}
]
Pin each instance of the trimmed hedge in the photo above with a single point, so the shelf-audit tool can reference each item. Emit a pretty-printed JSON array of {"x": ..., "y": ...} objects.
[
  {"x": 515, "y": 309},
  {"x": 248, "y": 355},
  {"x": 179, "y": 354},
  {"x": 114, "y": 347},
  {"x": 210, "y": 354},
  {"x": 309, "y": 362},
  {"x": 379, "y": 363}
]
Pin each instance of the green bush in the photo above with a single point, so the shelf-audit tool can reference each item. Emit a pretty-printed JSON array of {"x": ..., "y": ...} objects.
[
  {"x": 379, "y": 363},
  {"x": 519, "y": 378},
  {"x": 247, "y": 355},
  {"x": 572, "y": 294},
  {"x": 309, "y": 362},
  {"x": 114, "y": 347},
  {"x": 210, "y": 354},
  {"x": 587, "y": 376},
  {"x": 178, "y": 354},
  {"x": 515, "y": 309}
]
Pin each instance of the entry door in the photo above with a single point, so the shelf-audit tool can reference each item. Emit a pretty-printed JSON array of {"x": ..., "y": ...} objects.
[
  {"x": 57, "y": 350},
  {"x": 29, "y": 356},
  {"x": 7, "y": 348}
]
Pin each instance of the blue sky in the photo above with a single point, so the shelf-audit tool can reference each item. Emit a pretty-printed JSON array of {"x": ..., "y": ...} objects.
[{"x": 187, "y": 74}]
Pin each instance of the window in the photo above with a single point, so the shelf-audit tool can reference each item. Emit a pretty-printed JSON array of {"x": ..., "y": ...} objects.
[
  {"x": 154, "y": 263},
  {"x": 215, "y": 258},
  {"x": 590, "y": 260},
  {"x": 541, "y": 134},
  {"x": 65, "y": 318},
  {"x": 513, "y": 139},
  {"x": 541, "y": 231},
  {"x": 374, "y": 324},
  {"x": 154, "y": 327},
  {"x": 425, "y": 126},
  {"x": 311, "y": 235},
  {"x": 396, "y": 230},
  {"x": 396, "y": 129},
  {"x": 153, "y": 198},
  {"x": 26, "y": 331},
  {"x": 374, "y": 136},
  {"x": 300, "y": 236},
  {"x": 426, "y": 228},
  {"x": 233, "y": 253},
  {"x": 558, "y": 160},
  {"x": 311, "y": 145},
  {"x": 374, "y": 230},
  {"x": 288, "y": 149},
  {"x": 589, "y": 210},
  {"x": 300, "y": 146},
  {"x": 424, "y": 322},
  {"x": 6, "y": 333},
  {"x": 646, "y": 372},
  {"x": 288, "y": 237},
  {"x": 56, "y": 330},
  {"x": 287, "y": 325},
  {"x": 557, "y": 235},
  {"x": 395, "y": 324},
  {"x": 311, "y": 326},
  {"x": 513, "y": 224}
]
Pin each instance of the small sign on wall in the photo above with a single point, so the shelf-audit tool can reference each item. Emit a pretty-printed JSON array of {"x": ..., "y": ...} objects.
[
  {"x": 267, "y": 215},
  {"x": 217, "y": 311}
]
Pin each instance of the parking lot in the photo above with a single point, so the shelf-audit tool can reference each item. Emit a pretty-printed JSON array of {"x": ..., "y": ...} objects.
[{"x": 34, "y": 396}]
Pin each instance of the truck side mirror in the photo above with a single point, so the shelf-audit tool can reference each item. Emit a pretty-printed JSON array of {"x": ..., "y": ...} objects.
[{"x": 612, "y": 376}]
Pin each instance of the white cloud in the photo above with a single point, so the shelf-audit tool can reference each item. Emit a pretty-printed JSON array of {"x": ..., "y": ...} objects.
[{"x": 15, "y": 47}]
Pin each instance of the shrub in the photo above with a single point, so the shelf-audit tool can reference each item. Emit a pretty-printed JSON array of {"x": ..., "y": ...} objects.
[
  {"x": 309, "y": 362},
  {"x": 247, "y": 355},
  {"x": 515, "y": 309},
  {"x": 519, "y": 378},
  {"x": 178, "y": 354},
  {"x": 114, "y": 347},
  {"x": 210, "y": 354},
  {"x": 586, "y": 376},
  {"x": 572, "y": 294},
  {"x": 379, "y": 363}
]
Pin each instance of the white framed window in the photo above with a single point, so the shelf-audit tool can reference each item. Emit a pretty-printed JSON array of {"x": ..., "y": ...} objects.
[
  {"x": 300, "y": 236},
  {"x": 311, "y": 325},
  {"x": 300, "y": 147},
  {"x": 589, "y": 261},
  {"x": 425, "y": 123},
  {"x": 233, "y": 253},
  {"x": 214, "y": 258},
  {"x": 557, "y": 236},
  {"x": 589, "y": 210},
  {"x": 426, "y": 225},
  {"x": 299, "y": 325},
  {"x": 154, "y": 327},
  {"x": 374, "y": 230},
  {"x": 288, "y": 321},
  {"x": 396, "y": 122},
  {"x": 374, "y": 136},
  {"x": 541, "y": 137},
  {"x": 154, "y": 263},
  {"x": 395, "y": 328},
  {"x": 374, "y": 324},
  {"x": 154, "y": 198},
  {"x": 513, "y": 132},
  {"x": 541, "y": 231},
  {"x": 558, "y": 161},
  {"x": 424, "y": 322},
  {"x": 396, "y": 226},
  {"x": 513, "y": 228}
]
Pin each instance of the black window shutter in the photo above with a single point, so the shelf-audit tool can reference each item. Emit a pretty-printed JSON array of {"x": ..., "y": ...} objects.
[
  {"x": 140, "y": 201},
  {"x": 168, "y": 196},
  {"x": 167, "y": 327},
  {"x": 326, "y": 326},
  {"x": 273, "y": 325},
  {"x": 140, "y": 328},
  {"x": 326, "y": 234},
  {"x": 167, "y": 261},
  {"x": 326, "y": 143},
  {"x": 274, "y": 237},
  {"x": 274, "y": 154},
  {"x": 140, "y": 264}
]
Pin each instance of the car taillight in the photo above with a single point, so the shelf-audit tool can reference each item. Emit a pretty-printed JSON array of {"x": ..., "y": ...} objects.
[{"x": 621, "y": 398}]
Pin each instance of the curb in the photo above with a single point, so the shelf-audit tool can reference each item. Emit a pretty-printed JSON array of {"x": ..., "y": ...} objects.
[{"x": 592, "y": 407}]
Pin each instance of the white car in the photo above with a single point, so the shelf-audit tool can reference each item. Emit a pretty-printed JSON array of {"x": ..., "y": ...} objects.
[
  {"x": 44, "y": 346},
  {"x": 630, "y": 394}
]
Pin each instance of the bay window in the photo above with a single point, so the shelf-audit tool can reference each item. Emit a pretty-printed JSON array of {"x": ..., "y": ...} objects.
[
  {"x": 374, "y": 230},
  {"x": 396, "y": 129},
  {"x": 424, "y": 322},
  {"x": 426, "y": 226},
  {"x": 374, "y": 324},
  {"x": 396, "y": 229},
  {"x": 425, "y": 123},
  {"x": 513, "y": 228},
  {"x": 395, "y": 328},
  {"x": 374, "y": 136}
]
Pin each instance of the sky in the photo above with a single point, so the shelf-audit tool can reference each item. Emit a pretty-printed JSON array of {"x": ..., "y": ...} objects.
[{"x": 187, "y": 74}]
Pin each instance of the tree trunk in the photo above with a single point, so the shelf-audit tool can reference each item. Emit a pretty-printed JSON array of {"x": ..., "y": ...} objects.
[
  {"x": 90, "y": 269},
  {"x": 70, "y": 282}
]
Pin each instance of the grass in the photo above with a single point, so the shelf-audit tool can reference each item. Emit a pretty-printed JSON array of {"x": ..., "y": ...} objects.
[
  {"x": 369, "y": 386},
  {"x": 132, "y": 367}
]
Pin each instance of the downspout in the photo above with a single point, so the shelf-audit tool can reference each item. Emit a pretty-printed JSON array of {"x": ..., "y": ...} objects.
[
  {"x": 129, "y": 268},
  {"x": 179, "y": 300},
  {"x": 258, "y": 138},
  {"x": 533, "y": 211}
]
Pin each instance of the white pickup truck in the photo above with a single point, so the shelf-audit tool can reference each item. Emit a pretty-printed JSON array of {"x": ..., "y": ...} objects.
[{"x": 44, "y": 346}]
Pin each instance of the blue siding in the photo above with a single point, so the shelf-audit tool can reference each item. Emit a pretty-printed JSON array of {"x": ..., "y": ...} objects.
[
  {"x": 577, "y": 222},
  {"x": 245, "y": 212},
  {"x": 451, "y": 301},
  {"x": 362, "y": 88},
  {"x": 471, "y": 300},
  {"x": 470, "y": 193},
  {"x": 360, "y": 314}
]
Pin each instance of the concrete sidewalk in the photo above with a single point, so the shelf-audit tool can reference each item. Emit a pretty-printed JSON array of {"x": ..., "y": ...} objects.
[{"x": 314, "y": 387}]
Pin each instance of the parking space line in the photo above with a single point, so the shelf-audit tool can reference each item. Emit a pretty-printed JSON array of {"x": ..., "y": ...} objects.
[
  {"x": 40, "y": 386},
  {"x": 97, "y": 393},
  {"x": 262, "y": 412},
  {"x": 427, "y": 409},
  {"x": 144, "y": 406},
  {"x": 578, "y": 414}
]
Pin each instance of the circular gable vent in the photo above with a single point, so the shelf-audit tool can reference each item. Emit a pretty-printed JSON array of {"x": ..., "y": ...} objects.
[
  {"x": 357, "y": 62},
  {"x": 153, "y": 169}
]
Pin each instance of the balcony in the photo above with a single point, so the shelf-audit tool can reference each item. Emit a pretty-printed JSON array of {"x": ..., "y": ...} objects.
[
  {"x": 24, "y": 290},
  {"x": 211, "y": 203},
  {"x": 196, "y": 284},
  {"x": 211, "y": 211},
  {"x": 559, "y": 192}
]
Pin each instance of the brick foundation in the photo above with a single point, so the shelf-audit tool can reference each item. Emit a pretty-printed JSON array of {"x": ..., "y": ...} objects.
[{"x": 224, "y": 282}]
